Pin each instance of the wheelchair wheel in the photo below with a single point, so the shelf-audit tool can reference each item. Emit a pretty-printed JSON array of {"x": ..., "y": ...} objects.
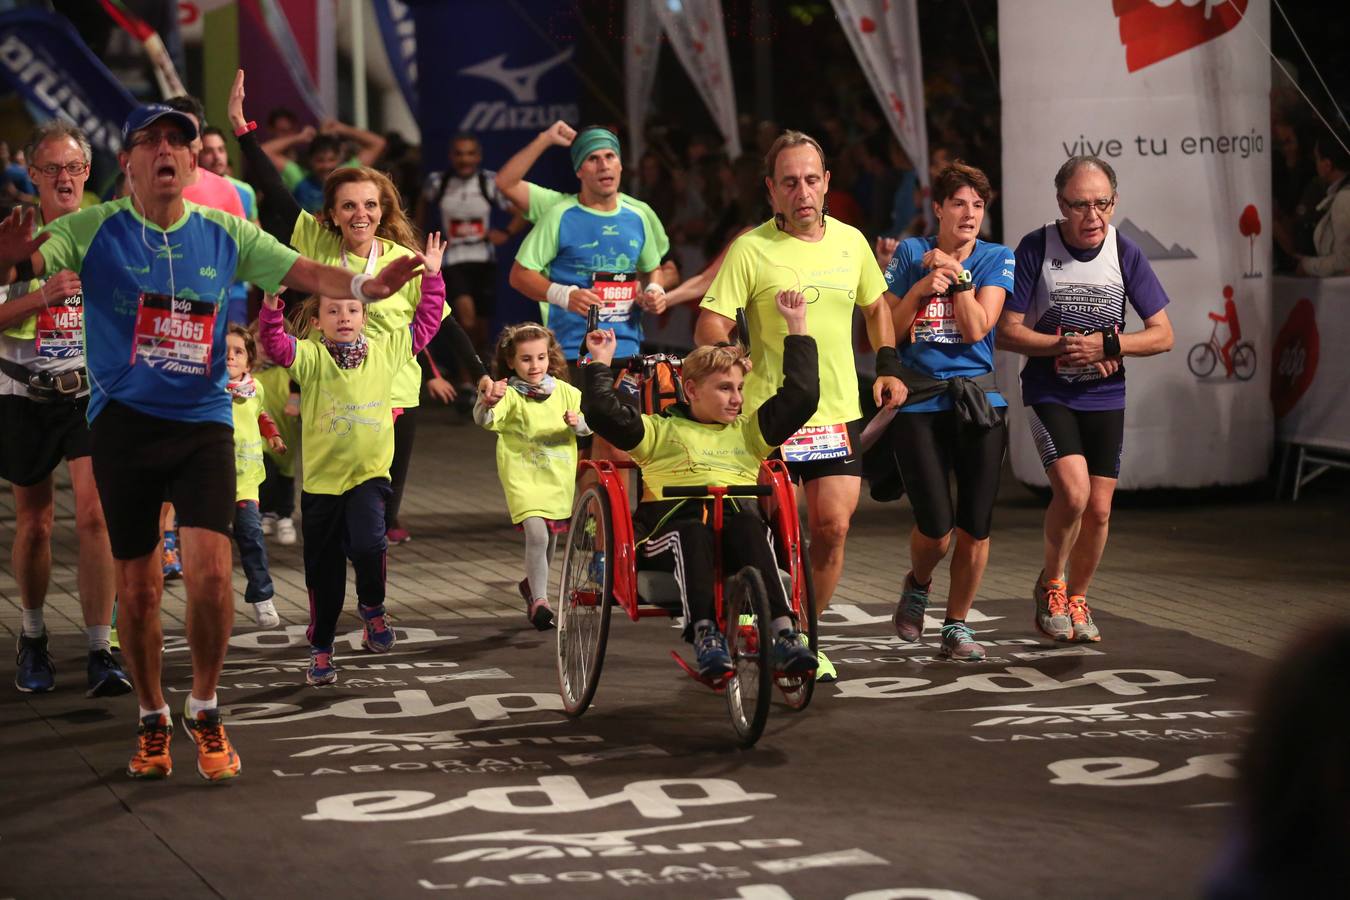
[
  {"x": 1201, "y": 360},
  {"x": 1244, "y": 361},
  {"x": 798, "y": 689},
  {"x": 752, "y": 679},
  {"x": 585, "y": 600}
]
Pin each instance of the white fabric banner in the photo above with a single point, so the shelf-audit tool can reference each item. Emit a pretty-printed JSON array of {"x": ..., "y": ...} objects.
[
  {"x": 639, "y": 64},
  {"x": 885, "y": 38},
  {"x": 1175, "y": 96},
  {"x": 1311, "y": 369},
  {"x": 695, "y": 29}
]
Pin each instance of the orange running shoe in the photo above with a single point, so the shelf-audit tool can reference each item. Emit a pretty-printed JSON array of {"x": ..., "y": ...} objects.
[
  {"x": 1052, "y": 608},
  {"x": 152, "y": 759},
  {"x": 1084, "y": 629},
  {"x": 216, "y": 759}
]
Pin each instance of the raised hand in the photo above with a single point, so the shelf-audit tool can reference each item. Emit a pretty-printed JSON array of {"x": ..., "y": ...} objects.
[
  {"x": 792, "y": 307},
  {"x": 16, "y": 237},
  {"x": 273, "y": 301},
  {"x": 560, "y": 134},
  {"x": 885, "y": 249},
  {"x": 601, "y": 343},
  {"x": 234, "y": 107},
  {"x": 431, "y": 259}
]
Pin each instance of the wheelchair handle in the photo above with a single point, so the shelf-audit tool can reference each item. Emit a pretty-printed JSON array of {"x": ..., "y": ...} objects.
[
  {"x": 592, "y": 323},
  {"x": 743, "y": 329},
  {"x": 717, "y": 490}
]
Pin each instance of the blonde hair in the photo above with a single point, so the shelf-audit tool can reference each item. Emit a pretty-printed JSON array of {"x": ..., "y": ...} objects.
[
  {"x": 394, "y": 223},
  {"x": 513, "y": 335},
  {"x": 304, "y": 320},
  {"x": 709, "y": 360}
]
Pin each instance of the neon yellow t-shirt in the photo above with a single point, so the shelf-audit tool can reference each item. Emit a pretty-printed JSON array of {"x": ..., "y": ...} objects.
[
  {"x": 394, "y": 313},
  {"x": 536, "y": 452},
  {"x": 277, "y": 384},
  {"x": 837, "y": 273},
  {"x": 248, "y": 445},
  {"x": 676, "y": 451},
  {"x": 347, "y": 422}
]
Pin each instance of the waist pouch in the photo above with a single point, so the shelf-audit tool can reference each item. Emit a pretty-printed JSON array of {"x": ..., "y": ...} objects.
[{"x": 45, "y": 387}]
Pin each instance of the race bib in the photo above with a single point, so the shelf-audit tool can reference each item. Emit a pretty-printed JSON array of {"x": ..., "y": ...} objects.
[
  {"x": 467, "y": 231},
  {"x": 617, "y": 292},
  {"x": 818, "y": 442},
  {"x": 60, "y": 329},
  {"x": 936, "y": 323},
  {"x": 174, "y": 334},
  {"x": 1074, "y": 374}
]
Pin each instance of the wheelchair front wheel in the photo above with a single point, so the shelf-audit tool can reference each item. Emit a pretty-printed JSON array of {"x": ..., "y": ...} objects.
[
  {"x": 751, "y": 682},
  {"x": 585, "y": 600}
]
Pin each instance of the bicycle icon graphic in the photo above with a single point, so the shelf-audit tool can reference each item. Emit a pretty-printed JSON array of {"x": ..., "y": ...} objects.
[{"x": 1205, "y": 355}]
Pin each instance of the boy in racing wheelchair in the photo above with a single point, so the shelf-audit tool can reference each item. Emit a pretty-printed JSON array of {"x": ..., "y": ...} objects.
[{"x": 708, "y": 440}]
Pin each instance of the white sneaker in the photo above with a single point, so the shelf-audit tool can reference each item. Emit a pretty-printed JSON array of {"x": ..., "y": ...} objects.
[
  {"x": 285, "y": 531},
  {"x": 265, "y": 614},
  {"x": 269, "y": 523}
]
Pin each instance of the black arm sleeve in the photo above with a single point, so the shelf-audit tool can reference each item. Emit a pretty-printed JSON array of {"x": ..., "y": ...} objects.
[
  {"x": 277, "y": 207},
  {"x": 783, "y": 414},
  {"x": 452, "y": 344},
  {"x": 621, "y": 425}
]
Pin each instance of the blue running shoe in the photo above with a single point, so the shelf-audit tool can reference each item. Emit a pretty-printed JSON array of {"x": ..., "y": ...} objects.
[
  {"x": 37, "y": 672},
  {"x": 790, "y": 655},
  {"x": 379, "y": 637},
  {"x": 321, "y": 668},
  {"x": 173, "y": 566},
  {"x": 908, "y": 617},
  {"x": 106, "y": 677},
  {"x": 596, "y": 570},
  {"x": 713, "y": 659}
]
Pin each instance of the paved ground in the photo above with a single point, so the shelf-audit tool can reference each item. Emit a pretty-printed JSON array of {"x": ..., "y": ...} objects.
[
  {"x": 1246, "y": 573},
  {"x": 415, "y": 772}
]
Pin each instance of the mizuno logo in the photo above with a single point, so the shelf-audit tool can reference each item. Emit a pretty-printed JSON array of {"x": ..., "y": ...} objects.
[
  {"x": 523, "y": 83},
  {"x": 609, "y": 230}
]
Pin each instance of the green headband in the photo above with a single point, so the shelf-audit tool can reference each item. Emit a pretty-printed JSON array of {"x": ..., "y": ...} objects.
[{"x": 589, "y": 141}]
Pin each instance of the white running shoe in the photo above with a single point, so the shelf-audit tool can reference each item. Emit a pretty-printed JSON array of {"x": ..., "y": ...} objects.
[
  {"x": 269, "y": 523},
  {"x": 285, "y": 531},
  {"x": 265, "y": 614}
]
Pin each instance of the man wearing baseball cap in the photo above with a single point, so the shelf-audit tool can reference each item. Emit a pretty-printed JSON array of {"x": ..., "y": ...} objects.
[
  {"x": 591, "y": 250},
  {"x": 155, "y": 271}
]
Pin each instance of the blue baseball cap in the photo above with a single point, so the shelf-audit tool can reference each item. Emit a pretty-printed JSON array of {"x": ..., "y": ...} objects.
[{"x": 147, "y": 114}]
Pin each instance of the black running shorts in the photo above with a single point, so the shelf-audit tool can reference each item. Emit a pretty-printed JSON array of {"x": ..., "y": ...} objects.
[
  {"x": 140, "y": 461},
  {"x": 35, "y": 437},
  {"x": 1096, "y": 435}
]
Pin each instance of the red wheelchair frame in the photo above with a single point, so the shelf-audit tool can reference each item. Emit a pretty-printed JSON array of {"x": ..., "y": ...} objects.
[{"x": 602, "y": 518}]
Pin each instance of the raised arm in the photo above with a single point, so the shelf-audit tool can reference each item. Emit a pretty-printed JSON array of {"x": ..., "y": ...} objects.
[
  {"x": 511, "y": 177},
  {"x": 427, "y": 317},
  {"x": 277, "y": 344},
  {"x": 278, "y": 147},
  {"x": 282, "y": 208},
  {"x": 330, "y": 281},
  {"x": 371, "y": 144},
  {"x": 614, "y": 421},
  {"x": 783, "y": 414}
]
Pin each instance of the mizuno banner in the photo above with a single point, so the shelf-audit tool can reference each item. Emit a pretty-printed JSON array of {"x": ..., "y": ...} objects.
[{"x": 45, "y": 60}]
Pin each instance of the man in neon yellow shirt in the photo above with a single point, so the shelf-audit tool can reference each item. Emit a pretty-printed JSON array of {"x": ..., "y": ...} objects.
[{"x": 831, "y": 263}]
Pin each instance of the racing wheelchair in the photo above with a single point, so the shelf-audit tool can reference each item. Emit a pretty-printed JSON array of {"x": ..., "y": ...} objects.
[{"x": 599, "y": 570}]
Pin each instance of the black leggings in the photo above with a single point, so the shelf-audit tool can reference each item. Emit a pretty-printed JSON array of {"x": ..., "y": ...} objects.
[
  {"x": 277, "y": 492},
  {"x": 930, "y": 447},
  {"x": 683, "y": 546},
  {"x": 405, "y": 429}
]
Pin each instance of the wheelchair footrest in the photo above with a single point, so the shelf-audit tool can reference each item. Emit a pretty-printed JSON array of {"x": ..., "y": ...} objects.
[{"x": 716, "y": 684}]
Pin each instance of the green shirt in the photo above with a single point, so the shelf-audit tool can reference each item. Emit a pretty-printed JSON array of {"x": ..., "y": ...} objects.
[
  {"x": 395, "y": 313},
  {"x": 248, "y": 445},
  {"x": 677, "y": 451},
  {"x": 836, "y": 273},
  {"x": 543, "y": 199},
  {"x": 347, "y": 418},
  {"x": 277, "y": 382},
  {"x": 536, "y": 452}
]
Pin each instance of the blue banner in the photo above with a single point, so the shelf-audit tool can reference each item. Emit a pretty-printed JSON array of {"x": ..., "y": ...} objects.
[
  {"x": 399, "y": 33},
  {"x": 503, "y": 71},
  {"x": 45, "y": 60}
]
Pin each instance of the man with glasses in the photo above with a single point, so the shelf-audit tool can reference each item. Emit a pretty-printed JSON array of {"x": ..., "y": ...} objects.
[
  {"x": 43, "y": 398},
  {"x": 155, "y": 271},
  {"x": 1073, "y": 279}
]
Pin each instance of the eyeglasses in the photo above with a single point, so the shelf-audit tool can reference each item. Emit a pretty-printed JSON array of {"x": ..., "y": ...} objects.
[
  {"x": 74, "y": 170},
  {"x": 1080, "y": 207},
  {"x": 176, "y": 139}
]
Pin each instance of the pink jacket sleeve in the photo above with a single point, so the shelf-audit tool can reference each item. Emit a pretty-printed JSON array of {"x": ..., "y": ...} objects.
[
  {"x": 427, "y": 319},
  {"x": 279, "y": 346}
]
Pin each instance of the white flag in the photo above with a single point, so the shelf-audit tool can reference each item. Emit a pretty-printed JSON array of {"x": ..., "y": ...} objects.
[
  {"x": 885, "y": 38},
  {"x": 644, "y": 37},
  {"x": 694, "y": 28}
]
